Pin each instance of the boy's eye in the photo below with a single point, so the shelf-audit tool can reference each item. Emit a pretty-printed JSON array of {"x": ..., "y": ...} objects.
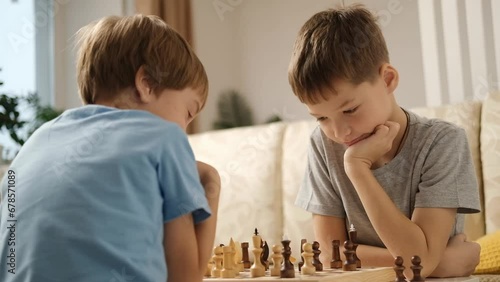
[
  {"x": 320, "y": 119},
  {"x": 351, "y": 111}
]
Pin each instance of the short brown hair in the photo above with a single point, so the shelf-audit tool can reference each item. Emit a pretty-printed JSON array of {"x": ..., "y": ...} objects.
[
  {"x": 114, "y": 48},
  {"x": 344, "y": 43}
]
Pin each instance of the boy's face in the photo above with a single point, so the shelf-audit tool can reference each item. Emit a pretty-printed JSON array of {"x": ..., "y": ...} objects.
[
  {"x": 351, "y": 114},
  {"x": 178, "y": 106}
]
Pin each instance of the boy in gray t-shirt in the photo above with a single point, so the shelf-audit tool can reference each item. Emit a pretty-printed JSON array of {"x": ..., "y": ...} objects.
[{"x": 403, "y": 181}]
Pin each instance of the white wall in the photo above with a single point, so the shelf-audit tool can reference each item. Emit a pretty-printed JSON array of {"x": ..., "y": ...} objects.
[
  {"x": 443, "y": 54},
  {"x": 246, "y": 45},
  {"x": 70, "y": 17},
  {"x": 446, "y": 51}
]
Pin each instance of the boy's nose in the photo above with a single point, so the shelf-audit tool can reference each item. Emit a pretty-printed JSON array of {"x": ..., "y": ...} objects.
[{"x": 341, "y": 130}]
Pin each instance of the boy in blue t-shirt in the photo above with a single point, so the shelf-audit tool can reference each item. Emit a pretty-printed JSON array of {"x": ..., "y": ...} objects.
[
  {"x": 402, "y": 180},
  {"x": 111, "y": 191}
]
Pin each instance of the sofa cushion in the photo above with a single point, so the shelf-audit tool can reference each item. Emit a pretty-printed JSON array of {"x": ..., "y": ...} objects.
[
  {"x": 468, "y": 116},
  {"x": 490, "y": 254},
  {"x": 297, "y": 223},
  {"x": 248, "y": 160},
  {"x": 490, "y": 149}
]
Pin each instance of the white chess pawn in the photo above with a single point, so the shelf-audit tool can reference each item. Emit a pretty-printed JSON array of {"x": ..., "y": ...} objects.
[
  {"x": 257, "y": 269},
  {"x": 217, "y": 257},
  {"x": 308, "y": 267},
  {"x": 227, "y": 270},
  {"x": 277, "y": 258}
]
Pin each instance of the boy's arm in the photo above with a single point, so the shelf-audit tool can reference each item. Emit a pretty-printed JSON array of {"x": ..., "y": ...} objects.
[
  {"x": 205, "y": 231},
  {"x": 425, "y": 235},
  {"x": 460, "y": 257},
  {"x": 188, "y": 246},
  {"x": 182, "y": 252},
  {"x": 328, "y": 228}
]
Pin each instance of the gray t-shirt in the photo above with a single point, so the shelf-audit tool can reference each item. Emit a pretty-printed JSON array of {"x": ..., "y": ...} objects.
[{"x": 433, "y": 169}]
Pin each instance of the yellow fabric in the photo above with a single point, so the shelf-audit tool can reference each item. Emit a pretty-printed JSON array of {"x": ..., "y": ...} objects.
[{"x": 490, "y": 254}]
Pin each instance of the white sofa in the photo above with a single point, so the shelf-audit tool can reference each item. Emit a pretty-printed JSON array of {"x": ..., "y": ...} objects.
[{"x": 262, "y": 167}]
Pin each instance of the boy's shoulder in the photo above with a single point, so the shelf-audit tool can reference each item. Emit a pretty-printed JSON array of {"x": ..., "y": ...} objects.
[
  {"x": 108, "y": 117},
  {"x": 424, "y": 126}
]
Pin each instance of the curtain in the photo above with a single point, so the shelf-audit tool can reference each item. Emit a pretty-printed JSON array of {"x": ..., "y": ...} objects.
[{"x": 177, "y": 14}]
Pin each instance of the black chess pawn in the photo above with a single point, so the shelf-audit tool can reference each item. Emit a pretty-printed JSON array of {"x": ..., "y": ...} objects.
[
  {"x": 417, "y": 268},
  {"x": 287, "y": 269},
  {"x": 350, "y": 262},
  {"x": 336, "y": 262},
  {"x": 399, "y": 268},
  {"x": 316, "y": 251}
]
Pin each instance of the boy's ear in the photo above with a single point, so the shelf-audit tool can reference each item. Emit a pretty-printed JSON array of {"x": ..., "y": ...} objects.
[
  {"x": 144, "y": 92},
  {"x": 390, "y": 76}
]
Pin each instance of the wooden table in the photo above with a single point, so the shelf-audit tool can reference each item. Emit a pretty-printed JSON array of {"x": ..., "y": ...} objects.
[{"x": 383, "y": 274}]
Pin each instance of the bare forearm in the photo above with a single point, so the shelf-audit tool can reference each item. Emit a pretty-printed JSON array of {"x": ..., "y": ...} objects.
[
  {"x": 393, "y": 228},
  {"x": 205, "y": 231}
]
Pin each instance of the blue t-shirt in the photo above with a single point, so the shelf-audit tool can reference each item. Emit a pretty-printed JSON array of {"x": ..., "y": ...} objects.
[{"x": 92, "y": 191}]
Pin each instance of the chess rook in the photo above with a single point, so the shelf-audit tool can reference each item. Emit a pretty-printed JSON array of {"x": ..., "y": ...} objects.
[
  {"x": 336, "y": 262},
  {"x": 246, "y": 259}
]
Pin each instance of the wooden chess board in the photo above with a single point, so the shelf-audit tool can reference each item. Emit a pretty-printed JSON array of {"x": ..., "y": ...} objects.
[
  {"x": 378, "y": 274},
  {"x": 383, "y": 274}
]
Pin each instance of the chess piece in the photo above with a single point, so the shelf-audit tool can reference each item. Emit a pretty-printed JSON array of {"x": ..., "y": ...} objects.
[
  {"x": 257, "y": 269},
  {"x": 238, "y": 264},
  {"x": 399, "y": 269},
  {"x": 217, "y": 257},
  {"x": 277, "y": 260},
  {"x": 287, "y": 270},
  {"x": 264, "y": 256},
  {"x": 301, "y": 263},
  {"x": 353, "y": 236},
  {"x": 336, "y": 262},
  {"x": 227, "y": 270},
  {"x": 210, "y": 265},
  {"x": 349, "y": 263},
  {"x": 417, "y": 268},
  {"x": 246, "y": 259},
  {"x": 307, "y": 254},
  {"x": 316, "y": 262}
]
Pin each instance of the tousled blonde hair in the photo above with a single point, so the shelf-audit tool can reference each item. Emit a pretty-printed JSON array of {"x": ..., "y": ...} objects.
[{"x": 112, "y": 50}]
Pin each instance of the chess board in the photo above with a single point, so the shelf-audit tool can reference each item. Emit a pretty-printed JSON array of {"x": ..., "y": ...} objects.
[{"x": 378, "y": 274}]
